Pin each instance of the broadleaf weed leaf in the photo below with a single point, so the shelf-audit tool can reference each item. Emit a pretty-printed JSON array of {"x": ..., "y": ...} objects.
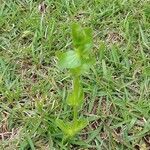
[
  {"x": 84, "y": 67},
  {"x": 81, "y": 124},
  {"x": 82, "y": 39},
  {"x": 78, "y": 126},
  {"x": 60, "y": 123},
  {"x": 68, "y": 59},
  {"x": 70, "y": 129},
  {"x": 76, "y": 98}
]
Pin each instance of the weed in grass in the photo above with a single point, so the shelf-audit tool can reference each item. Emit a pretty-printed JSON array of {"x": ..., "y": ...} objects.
[
  {"x": 33, "y": 91},
  {"x": 78, "y": 62}
]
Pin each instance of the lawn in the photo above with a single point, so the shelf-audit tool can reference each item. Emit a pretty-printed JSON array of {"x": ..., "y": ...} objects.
[{"x": 33, "y": 89}]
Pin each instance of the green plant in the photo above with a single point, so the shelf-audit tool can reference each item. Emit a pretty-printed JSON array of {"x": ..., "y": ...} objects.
[{"x": 78, "y": 62}]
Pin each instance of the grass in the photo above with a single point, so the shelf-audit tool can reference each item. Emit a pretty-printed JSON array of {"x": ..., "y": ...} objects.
[{"x": 33, "y": 90}]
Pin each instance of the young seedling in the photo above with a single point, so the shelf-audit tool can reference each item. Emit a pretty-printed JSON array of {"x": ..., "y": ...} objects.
[{"x": 77, "y": 61}]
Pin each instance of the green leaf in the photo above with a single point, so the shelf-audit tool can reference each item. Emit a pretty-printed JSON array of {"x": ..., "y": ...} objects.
[
  {"x": 68, "y": 59},
  {"x": 63, "y": 126},
  {"x": 75, "y": 127},
  {"x": 88, "y": 40},
  {"x": 77, "y": 34},
  {"x": 80, "y": 124},
  {"x": 82, "y": 69},
  {"x": 76, "y": 97},
  {"x": 70, "y": 129},
  {"x": 82, "y": 39}
]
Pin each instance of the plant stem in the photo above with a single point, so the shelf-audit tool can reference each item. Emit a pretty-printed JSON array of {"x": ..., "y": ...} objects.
[
  {"x": 76, "y": 84},
  {"x": 75, "y": 114}
]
